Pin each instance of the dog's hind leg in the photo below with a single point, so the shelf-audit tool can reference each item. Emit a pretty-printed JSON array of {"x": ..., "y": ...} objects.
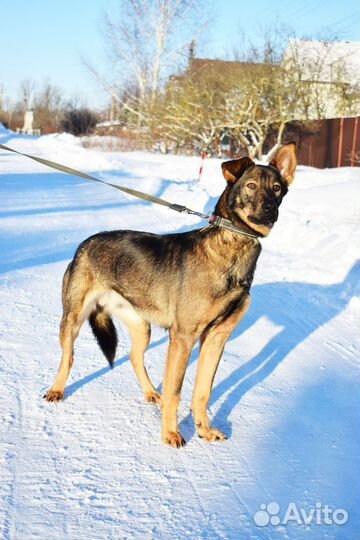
[
  {"x": 211, "y": 348},
  {"x": 140, "y": 331},
  {"x": 69, "y": 331},
  {"x": 76, "y": 311}
]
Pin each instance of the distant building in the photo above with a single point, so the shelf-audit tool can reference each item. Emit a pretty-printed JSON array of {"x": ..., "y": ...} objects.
[
  {"x": 329, "y": 61},
  {"x": 330, "y": 73}
]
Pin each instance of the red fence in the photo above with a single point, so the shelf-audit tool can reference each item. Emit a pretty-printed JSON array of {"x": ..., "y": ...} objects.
[{"x": 336, "y": 143}]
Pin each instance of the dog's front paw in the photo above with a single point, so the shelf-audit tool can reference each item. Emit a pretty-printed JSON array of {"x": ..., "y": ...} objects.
[
  {"x": 174, "y": 439},
  {"x": 153, "y": 397},
  {"x": 54, "y": 395},
  {"x": 211, "y": 434}
]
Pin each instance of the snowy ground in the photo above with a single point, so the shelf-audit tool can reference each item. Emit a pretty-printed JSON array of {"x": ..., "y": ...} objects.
[{"x": 286, "y": 393}]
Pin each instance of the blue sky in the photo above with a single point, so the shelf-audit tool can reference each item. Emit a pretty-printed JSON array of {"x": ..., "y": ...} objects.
[{"x": 45, "y": 39}]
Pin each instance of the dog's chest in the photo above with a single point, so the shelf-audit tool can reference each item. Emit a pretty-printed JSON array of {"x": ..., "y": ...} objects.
[
  {"x": 239, "y": 273},
  {"x": 237, "y": 278}
]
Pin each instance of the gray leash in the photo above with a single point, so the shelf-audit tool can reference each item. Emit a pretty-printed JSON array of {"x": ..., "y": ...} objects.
[{"x": 135, "y": 193}]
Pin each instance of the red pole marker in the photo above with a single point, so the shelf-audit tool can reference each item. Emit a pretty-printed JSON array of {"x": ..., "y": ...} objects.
[{"x": 203, "y": 157}]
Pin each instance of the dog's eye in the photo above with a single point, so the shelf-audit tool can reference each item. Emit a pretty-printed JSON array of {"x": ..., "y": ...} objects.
[
  {"x": 276, "y": 187},
  {"x": 251, "y": 185}
]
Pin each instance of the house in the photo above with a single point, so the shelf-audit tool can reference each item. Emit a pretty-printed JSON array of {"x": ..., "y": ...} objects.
[{"x": 329, "y": 72}]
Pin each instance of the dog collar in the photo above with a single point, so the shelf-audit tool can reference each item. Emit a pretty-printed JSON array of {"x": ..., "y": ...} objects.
[{"x": 218, "y": 221}]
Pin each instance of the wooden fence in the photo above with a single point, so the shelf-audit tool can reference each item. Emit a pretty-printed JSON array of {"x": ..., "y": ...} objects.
[{"x": 335, "y": 143}]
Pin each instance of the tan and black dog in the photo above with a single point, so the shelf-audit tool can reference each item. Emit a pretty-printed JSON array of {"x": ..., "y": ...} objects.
[{"x": 195, "y": 284}]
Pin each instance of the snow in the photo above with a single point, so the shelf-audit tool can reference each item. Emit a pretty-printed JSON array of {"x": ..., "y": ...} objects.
[{"x": 286, "y": 392}]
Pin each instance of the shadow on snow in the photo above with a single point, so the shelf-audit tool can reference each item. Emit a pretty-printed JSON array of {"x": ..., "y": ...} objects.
[{"x": 299, "y": 308}]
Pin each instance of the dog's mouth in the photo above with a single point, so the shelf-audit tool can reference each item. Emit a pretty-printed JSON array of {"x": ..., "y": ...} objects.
[{"x": 268, "y": 221}]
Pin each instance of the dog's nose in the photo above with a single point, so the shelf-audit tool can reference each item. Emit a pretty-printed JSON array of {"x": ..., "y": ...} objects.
[{"x": 269, "y": 206}]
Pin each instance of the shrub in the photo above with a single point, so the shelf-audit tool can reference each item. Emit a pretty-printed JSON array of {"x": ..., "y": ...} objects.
[{"x": 79, "y": 121}]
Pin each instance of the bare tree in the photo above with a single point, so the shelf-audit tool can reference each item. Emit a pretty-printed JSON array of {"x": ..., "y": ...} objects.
[
  {"x": 146, "y": 40},
  {"x": 27, "y": 89},
  {"x": 244, "y": 98},
  {"x": 192, "y": 116},
  {"x": 48, "y": 107}
]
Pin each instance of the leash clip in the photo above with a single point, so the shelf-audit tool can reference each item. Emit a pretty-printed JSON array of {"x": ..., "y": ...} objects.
[
  {"x": 183, "y": 209},
  {"x": 215, "y": 220},
  {"x": 178, "y": 207}
]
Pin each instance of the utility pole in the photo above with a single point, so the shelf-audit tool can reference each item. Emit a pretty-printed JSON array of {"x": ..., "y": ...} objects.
[
  {"x": 113, "y": 107},
  {"x": 1, "y": 96}
]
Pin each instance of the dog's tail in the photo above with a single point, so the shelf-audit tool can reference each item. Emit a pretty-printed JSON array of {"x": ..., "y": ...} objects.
[{"x": 105, "y": 332}]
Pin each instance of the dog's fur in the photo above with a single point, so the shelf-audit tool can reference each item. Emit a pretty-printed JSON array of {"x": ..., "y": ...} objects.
[{"x": 195, "y": 284}]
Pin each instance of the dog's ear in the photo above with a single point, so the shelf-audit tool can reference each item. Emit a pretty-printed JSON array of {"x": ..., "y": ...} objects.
[
  {"x": 232, "y": 170},
  {"x": 285, "y": 161}
]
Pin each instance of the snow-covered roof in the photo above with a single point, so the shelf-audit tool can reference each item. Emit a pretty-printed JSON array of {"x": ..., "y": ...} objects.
[{"x": 329, "y": 60}]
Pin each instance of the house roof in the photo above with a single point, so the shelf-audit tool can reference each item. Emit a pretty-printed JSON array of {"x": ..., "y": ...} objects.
[
  {"x": 332, "y": 60},
  {"x": 198, "y": 65},
  {"x": 209, "y": 67}
]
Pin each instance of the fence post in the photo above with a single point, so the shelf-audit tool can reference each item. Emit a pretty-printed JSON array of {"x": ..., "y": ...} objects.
[
  {"x": 353, "y": 150},
  {"x": 341, "y": 137}
]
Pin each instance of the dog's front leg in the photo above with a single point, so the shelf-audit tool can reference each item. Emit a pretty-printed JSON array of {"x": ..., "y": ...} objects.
[
  {"x": 211, "y": 348},
  {"x": 180, "y": 347}
]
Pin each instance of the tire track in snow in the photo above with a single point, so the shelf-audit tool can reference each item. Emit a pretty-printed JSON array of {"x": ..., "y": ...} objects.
[
  {"x": 11, "y": 396},
  {"x": 220, "y": 477},
  {"x": 219, "y": 472},
  {"x": 10, "y": 449}
]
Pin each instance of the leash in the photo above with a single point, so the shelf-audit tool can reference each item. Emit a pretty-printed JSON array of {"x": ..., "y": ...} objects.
[
  {"x": 214, "y": 219},
  {"x": 135, "y": 193}
]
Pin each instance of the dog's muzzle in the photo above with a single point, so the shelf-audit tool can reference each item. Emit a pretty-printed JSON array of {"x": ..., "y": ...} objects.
[{"x": 268, "y": 216}]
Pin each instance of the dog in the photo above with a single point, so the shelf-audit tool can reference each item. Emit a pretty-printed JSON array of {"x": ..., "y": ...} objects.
[{"x": 195, "y": 284}]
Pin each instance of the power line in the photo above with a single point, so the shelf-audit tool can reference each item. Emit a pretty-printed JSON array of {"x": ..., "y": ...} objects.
[
  {"x": 341, "y": 26},
  {"x": 348, "y": 26},
  {"x": 275, "y": 6},
  {"x": 351, "y": 16},
  {"x": 307, "y": 7}
]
